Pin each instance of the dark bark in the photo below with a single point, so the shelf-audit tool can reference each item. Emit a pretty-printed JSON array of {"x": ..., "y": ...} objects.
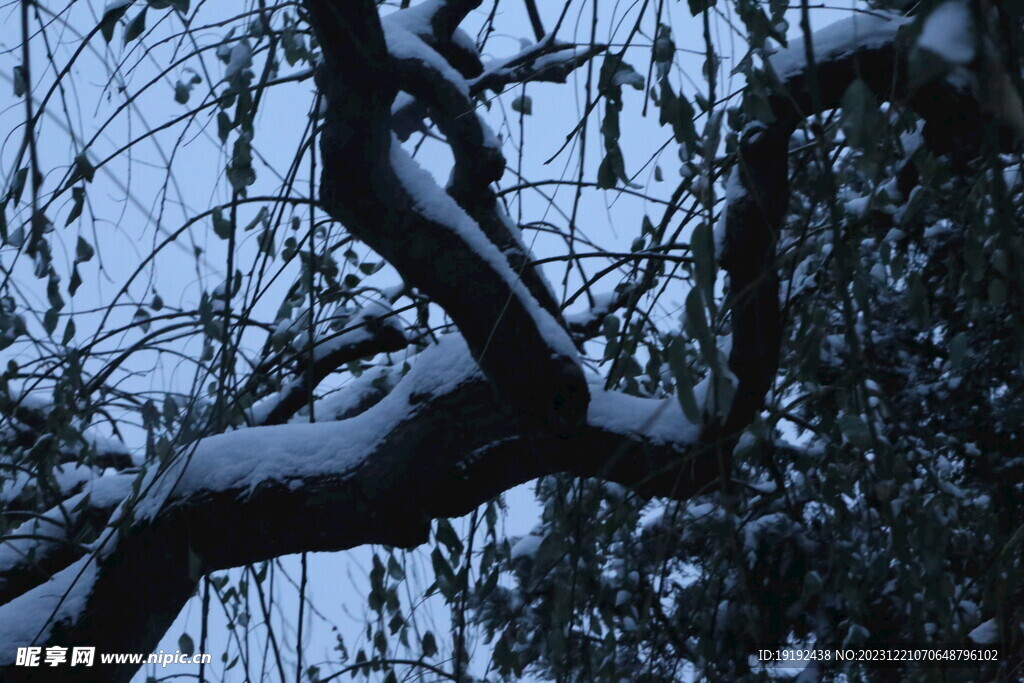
[{"x": 360, "y": 188}]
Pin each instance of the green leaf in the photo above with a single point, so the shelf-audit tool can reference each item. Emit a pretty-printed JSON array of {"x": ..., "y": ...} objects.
[
  {"x": 758, "y": 25},
  {"x": 614, "y": 74},
  {"x": 523, "y": 104},
  {"x": 50, "y": 320},
  {"x": 75, "y": 282},
  {"x": 69, "y": 332},
  {"x": 395, "y": 569},
  {"x": 265, "y": 242},
  {"x": 702, "y": 246},
  {"x": 856, "y": 431},
  {"x": 697, "y": 324},
  {"x": 77, "y": 200},
  {"x": 181, "y": 92},
  {"x": 18, "y": 186},
  {"x": 20, "y": 84},
  {"x": 224, "y": 126},
  {"x": 141, "y": 318},
  {"x": 429, "y": 644},
  {"x": 53, "y": 293},
  {"x": 112, "y": 16},
  {"x": 664, "y": 49},
  {"x": 446, "y": 534},
  {"x": 684, "y": 382},
  {"x": 240, "y": 171},
  {"x": 83, "y": 251},
  {"x": 699, "y": 6},
  {"x": 83, "y": 169},
  {"x": 612, "y": 169},
  {"x": 135, "y": 27},
  {"x": 677, "y": 112},
  {"x": 861, "y": 121},
  {"x": 221, "y": 226}
]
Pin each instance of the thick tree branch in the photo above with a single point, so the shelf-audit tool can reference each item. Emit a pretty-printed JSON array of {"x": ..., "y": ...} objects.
[
  {"x": 434, "y": 247},
  {"x": 264, "y": 492},
  {"x": 367, "y": 336}
]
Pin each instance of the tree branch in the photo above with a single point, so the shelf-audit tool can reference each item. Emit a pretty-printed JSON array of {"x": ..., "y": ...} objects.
[
  {"x": 434, "y": 246},
  {"x": 263, "y": 492}
]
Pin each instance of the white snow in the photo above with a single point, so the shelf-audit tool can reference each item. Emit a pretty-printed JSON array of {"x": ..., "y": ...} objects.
[
  {"x": 438, "y": 206},
  {"x": 659, "y": 420},
  {"x": 628, "y": 77},
  {"x": 858, "y": 206},
  {"x": 560, "y": 53},
  {"x": 603, "y": 302},
  {"x": 857, "y": 32},
  {"x": 526, "y": 546},
  {"x": 67, "y": 475},
  {"x": 27, "y": 620},
  {"x": 948, "y": 32},
  {"x": 985, "y": 633},
  {"x": 117, "y": 4},
  {"x": 361, "y": 332},
  {"x": 103, "y": 492},
  {"x": 405, "y": 44},
  {"x": 241, "y": 460},
  {"x": 464, "y": 40},
  {"x": 353, "y": 394},
  {"x": 16, "y": 550},
  {"x": 241, "y": 58},
  {"x": 415, "y": 19}
]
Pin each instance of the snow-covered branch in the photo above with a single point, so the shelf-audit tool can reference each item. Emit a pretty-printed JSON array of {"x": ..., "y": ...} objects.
[
  {"x": 548, "y": 61},
  {"x": 385, "y": 199},
  {"x": 266, "y": 491},
  {"x": 371, "y": 331}
]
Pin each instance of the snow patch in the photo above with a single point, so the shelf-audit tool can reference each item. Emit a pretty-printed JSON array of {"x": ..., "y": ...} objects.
[
  {"x": 438, "y": 206},
  {"x": 405, "y": 44},
  {"x": 240, "y": 58},
  {"x": 526, "y": 546},
  {"x": 985, "y": 633},
  {"x": 659, "y": 420},
  {"x": 285, "y": 454},
  {"x": 28, "y": 619},
  {"x": 857, "y": 32},
  {"x": 116, "y": 5},
  {"x": 948, "y": 32}
]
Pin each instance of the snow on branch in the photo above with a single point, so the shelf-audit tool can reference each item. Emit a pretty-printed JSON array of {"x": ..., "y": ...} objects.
[
  {"x": 371, "y": 330},
  {"x": 43, "y": 544},
  {"x": 858, "y": 32},
  {"x": 548, "y": 60},
  {"x": 422, "y": 232},
  {"x": 479, "y": 161},
  {"x": 378, "y": 477}
]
